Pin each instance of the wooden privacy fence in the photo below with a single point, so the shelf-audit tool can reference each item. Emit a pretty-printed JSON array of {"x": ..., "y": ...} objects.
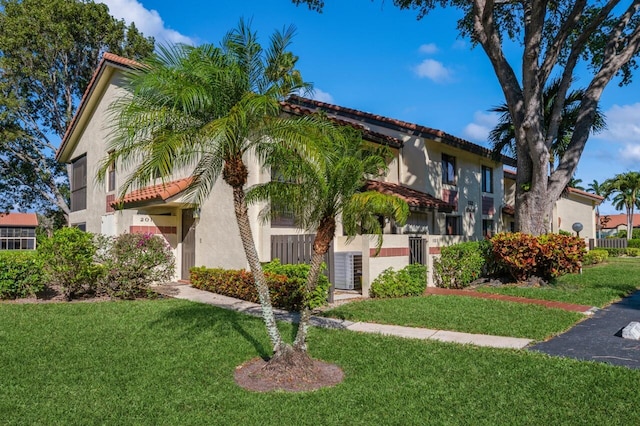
[
  {"x": 619, "y": 243},
  {"x": 295, "y": 249}
]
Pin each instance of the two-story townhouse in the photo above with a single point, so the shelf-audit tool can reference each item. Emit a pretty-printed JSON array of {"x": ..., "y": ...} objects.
[
  {"x": 575, "y": 206},
  {"x": 453, "y": 187}
]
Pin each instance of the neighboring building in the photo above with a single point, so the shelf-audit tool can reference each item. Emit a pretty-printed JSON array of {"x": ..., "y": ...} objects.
[
  {"x": 612, "y": 223},
  {"x": 18, "y": 231},
  {"x": 454, "y": 189},
  {"x": 573, "y": 206}
]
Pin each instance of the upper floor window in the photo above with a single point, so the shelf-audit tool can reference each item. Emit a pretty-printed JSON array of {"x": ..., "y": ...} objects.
[
  {"x": 452, "y": 225},
  {"x": 111, "y": 175},
  {"x": 79, "y": 183},
  {"x": 448, "y": 169},
  {"x": 487, "y": 179}
]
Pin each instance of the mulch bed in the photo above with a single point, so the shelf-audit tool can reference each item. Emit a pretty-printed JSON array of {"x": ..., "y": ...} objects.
[{"x": 252, "y": 375}]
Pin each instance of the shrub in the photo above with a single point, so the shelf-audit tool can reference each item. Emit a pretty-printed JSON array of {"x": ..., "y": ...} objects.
[
  {"x": 615, "y": 252},
  {"x": 595, "y": 256},
  {"x": 632, "y": 252},
  {"x": 565, "y": 233},
  {"x": 21, "y": 274},
  {"x": 298, "y": 274},
  {"x": 286, "y": 292},
  {"x": 634, "y": 243},
  {"x": 133, "y": 261},
  {"x": 635, "y": 234},
  {"x": 459, "y": 265},
  {"x": 408, "y": 281},
  {"x": 546, "y": 256},
  {"x": 68, "y": 261}
]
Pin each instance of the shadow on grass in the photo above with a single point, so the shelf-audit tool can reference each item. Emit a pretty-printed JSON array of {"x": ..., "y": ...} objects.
[{"x": 198, "y": 318}]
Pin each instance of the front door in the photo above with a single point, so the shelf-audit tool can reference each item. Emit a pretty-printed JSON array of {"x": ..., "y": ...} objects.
[{"x": 188, "y": 243}]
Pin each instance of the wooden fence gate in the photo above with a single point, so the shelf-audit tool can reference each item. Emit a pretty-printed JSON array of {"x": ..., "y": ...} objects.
[{"x": 295, "y": 249}]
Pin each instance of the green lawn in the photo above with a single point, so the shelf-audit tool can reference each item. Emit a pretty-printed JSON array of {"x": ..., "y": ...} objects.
[
  {"x": 171, "y": 362},
  {"x": 598, "y": 285},
  {"x": 458, "y": 313}
]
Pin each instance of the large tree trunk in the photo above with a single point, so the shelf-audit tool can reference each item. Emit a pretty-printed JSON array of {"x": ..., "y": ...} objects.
[{"x": 324, "y": 235}]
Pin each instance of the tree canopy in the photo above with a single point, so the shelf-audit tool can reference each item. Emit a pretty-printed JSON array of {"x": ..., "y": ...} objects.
[
  {"x": 555, "y": 38},
  {"x": 49, "y": 50}
]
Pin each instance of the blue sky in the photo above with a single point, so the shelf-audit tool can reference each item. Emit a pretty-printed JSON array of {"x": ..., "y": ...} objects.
[{"x": 373, "y": 57}]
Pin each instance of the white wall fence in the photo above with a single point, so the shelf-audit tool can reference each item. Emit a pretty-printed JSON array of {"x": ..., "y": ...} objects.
[{"x": 395, "y": 252}]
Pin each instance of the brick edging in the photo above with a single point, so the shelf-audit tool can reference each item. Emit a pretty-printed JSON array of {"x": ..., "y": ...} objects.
[{"x": 547, "y": 303}]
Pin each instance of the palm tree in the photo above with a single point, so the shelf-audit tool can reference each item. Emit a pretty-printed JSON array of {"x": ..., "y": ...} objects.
[
  {"x": 503, "y": 138},
  {"x": 205, "y": 108},
  {"x": 598, "y": 189},
  {"x": 324, "y": 185},
  {"x": 626, "y": 187}
]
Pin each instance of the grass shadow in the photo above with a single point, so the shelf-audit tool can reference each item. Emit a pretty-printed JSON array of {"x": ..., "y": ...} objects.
[{"x": 198, "y": 318}]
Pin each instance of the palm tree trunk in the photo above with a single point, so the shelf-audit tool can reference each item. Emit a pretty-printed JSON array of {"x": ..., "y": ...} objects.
[
  {"x": 242, "y": 217},
  {"x": 324, "y": 235},
  {"x": 300, "y": 342}
]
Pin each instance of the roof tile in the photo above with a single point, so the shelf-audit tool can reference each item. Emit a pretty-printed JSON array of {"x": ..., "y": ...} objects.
[
  {"x": 19, "y": 219},
  {"x": 412, "y": 196},
  {"x": 160, "y": 192}
]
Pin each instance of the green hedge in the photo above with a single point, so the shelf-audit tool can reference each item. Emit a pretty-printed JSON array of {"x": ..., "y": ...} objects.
[
  {"x": 21, "y": 274},
  {"x": 595, "y": 256},
  {"x": 459, "y": 265},
  {"x": 408, "y": 281},
  {"x": 634, "y": 243},
  {"x": 632, "y": 252},
  {"x": 287, "y": 292}
]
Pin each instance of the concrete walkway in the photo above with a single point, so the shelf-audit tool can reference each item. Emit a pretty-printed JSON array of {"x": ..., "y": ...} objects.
[{"x": 187, "y": 292}]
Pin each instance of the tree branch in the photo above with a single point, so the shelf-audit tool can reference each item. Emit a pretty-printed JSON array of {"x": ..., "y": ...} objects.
[{"x": 576, "y": 51}]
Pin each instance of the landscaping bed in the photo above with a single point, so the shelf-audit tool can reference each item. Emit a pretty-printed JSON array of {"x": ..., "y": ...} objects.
[{"x": 598, "y": 285}]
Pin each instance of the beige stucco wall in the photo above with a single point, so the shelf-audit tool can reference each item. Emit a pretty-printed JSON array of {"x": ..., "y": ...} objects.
[{"x": 575, "y": 208}]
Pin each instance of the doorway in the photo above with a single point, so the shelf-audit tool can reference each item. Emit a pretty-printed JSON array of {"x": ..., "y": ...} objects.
[{"x": 188, "y": 243}]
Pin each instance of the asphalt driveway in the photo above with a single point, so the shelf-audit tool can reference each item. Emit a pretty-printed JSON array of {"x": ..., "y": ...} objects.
[{"x": 599, "y": 338}]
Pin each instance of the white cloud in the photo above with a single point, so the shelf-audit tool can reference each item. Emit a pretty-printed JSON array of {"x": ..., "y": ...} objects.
[
  {"x": 433, "y": 70},
  {"x": 482, "y": 124},
  {"x": 148, "y": 21},
  {"x": 459, "y": 45},
  {"x": 623, "y": 128},
  {"x": 428, "y": 49},
  {"x": 322, "y": 96},
  {"x": 623, "y": 124},
  {"x": 630, "y": 154}
]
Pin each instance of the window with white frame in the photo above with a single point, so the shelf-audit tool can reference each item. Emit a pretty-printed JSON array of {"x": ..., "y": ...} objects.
[{"x": 17, "y": 238}]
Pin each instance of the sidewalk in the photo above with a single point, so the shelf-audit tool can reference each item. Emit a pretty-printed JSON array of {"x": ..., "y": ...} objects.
[{"x": 187, "y": 292}]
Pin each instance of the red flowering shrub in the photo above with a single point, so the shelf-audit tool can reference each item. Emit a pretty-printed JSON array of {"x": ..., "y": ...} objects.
[
  {"x": 546, "y": 256},
  {"x": 285, "y": 292}
]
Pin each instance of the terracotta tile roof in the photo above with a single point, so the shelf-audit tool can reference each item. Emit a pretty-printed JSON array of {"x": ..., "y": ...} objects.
[
  {"x": 616, "y": 220},
  {"x": 413, "y": 197},
  {"x": 509, "y": 209},
  {"x": 367, "y": 134},
  {"x": 106, "y": 58},
  {"x": 403, "y": 126},
  {"x": 510, "y": 174},
  {"x": 160, "y": 192},
  {"x": 585, "y": 194},
  {"x": 19, "y": 219}
]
